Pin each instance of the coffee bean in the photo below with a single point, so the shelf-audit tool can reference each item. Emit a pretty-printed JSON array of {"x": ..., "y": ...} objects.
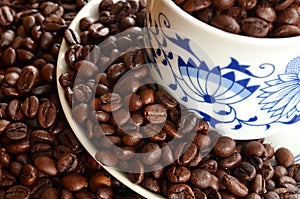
[
  {"x": 28, "y": 175},
  {"x": 46, "y": 164},
  {"x": 110, "y": 102},
  {"x": 18, "y": 147},
  {"x": 224, "y": 147},
  {"x": 86, "y": 68},
  {"x": 245, "y": 172},
  {"x": 16, "y": 131},
  {"x": 47, "y": 113},
  {"x": 71, "y": 36},
  {"x": 180, "y": 190},
  {"x": 17, "y": 191},
  {"x": 74, "y": 182},
  {"x": 30, "y": 106},
  {"x": 235, "y": 186},
  {"x": 231, "y": 161},
  {"x": 28, "y": 79},
  {"x": 67, "y": 162},
  {"x": 151, "y": 184},
  {"x": 284, "y": 157},
  {"x": 226, "y": 23},
  {"x": 151, "y": 153},
  {"x": 155, "y": 114},
  {"x": 178, "y": 174},
  {"x": 200, "y": 178},
  {"x": 107, "y": 158}
]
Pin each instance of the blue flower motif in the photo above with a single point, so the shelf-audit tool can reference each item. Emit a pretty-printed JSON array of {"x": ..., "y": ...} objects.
[
  {"x": 211, "y": 86},
  {"x": 282, "y": 95}
]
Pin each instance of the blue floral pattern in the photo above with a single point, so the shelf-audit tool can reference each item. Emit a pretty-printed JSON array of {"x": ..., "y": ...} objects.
[{"x": 197, "y": 79}]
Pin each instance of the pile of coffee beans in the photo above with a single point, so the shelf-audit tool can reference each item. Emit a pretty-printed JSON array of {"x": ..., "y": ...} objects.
[
  {"x": 254, "y": 18},
  {"x": 142, "y": 130},
  {"x": 40, "y": 156}
]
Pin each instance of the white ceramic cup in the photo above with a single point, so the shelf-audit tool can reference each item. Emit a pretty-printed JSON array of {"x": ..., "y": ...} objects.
[{"x": 245, "y": 87}]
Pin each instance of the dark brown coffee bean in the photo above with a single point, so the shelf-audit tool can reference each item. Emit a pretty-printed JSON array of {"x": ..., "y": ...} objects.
[
  {"x": 195, "y": 5},
  {"x": 255, "y": 27},
  {"x": 284, "y": 157},
  {"x": 71, "y": 36},
  {"x": 294, "y": 172},
  {"x": 235, "y": 186},
  {"x": 267, "y": 170},
  {"x": 200, "y": 178},
  {"x": 68, "y": 138},
  {"x": 47, "y": 113},
  {"x": 253, "y": 148},
  {"x": 138, "y": 175},
  {"x": 50, "y": 192},
  {"x": 30, "y": 106},
  {"x": 201, "y": 141},
  {"x": 227, "y": 23},
  {"x": 48, "y": 73},
  {"x": 110, "y": 102},
  {"x": 245, "y": 172},
  {"x": 6, "y": 15},
  {"x": 224, "y": 147},
  {"x": 104, "y": 192},
  {"x": 180, "y": 190},
  {"x": 17, "y": 191},
  {"x": 283, "y": 4},
  {"x": 28, "y": 175},
  {"x": 266, "y": 12},
  {"x": 86, "y": 68},
  {"x": 28, "y": 79},
  {"x": 155, "y": 114},
  {"x": 53, "y": 23},
  {"x": 18, "y": 147},
  {"x": 247, "y": 4},
  {"x": 46, "y": 164},
  {"x": 223, "y": 4},
  {"x": 286, "y": 31},
  {"x": 74, "y": 182},
  {"x": 98, "y": 30},
  {"x": 187, "y": 123},
  {"x": 151, "y": 184},
  {"x": 25, "y": 56},
  {"x": 165, "y": 99},
  {"x": 67, "y": 162},
  {"x": 231, "y": 161},
  {"x": 9, "y": 57},
  {"x": 271, "y": 195},
  {"x": 106, "y": 158},
  {"x": 151, "y": 153},
  {"x": 14, "y": 110},
  {"x": 258, "y": 185},
  {"x": 178, "y": 174},
  {"x": 16, "y": 131},
  {"x": 7, "y": 179}
]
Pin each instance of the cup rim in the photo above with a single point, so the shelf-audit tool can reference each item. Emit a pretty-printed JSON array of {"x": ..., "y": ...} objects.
[{"x": 269, "y": 41}]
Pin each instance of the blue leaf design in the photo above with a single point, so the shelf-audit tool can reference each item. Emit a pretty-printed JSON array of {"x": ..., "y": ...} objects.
[
  {"x": 185, "y": 99},
  {"x": 181, "y": 62},
  {"x": 223, "y": 113},
  {"x": 239, "y": 126},
  {"x": 164, "y": 62},
  {"x": 253, "y": 119},
  {"x": 203, "y": 66},
  {"x": 252, "y": 89},
  {"x": 170, "y": 55},
  {"x": 234, "y": 64},
  {"x": 173, "y": 86},
  {"x": 191, "y": 63},
  {"x": 243, "y": 82},
  {"x": 230, "y": 76}
]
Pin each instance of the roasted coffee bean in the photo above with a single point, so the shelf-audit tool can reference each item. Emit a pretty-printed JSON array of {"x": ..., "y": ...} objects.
[
  {"x": 28, "y": 79},
  {"x": 151, "y": 184},
  {"x": 253, "y": 148},
  {"x": 267, "y": 170},
  {"x": 74, "y": 182},
  {"x": 71, "y": 36},
  {"x": 30, "y": 106},
  {"x": 107, "y": 158},
  {"x": 110, "y": 102},
  {"x": 178, "y": 174},
  {"x": 46, "y": 164},
  {"x": 28, "y": 175},
  {"x": 7, "y": 179},
  {"x": 258, "y": 185},
  {"x": 235, "y": 186},
  {"x": 255, "y": 27},
  {"x": 284, "y": 157},
  {"x": 200, "y": 178},
  {"x": 155, "y": 113},
  {"x": 18, "y": 147},
  {"x": 9, "y": 57},
  {"x": 224, "y": 147},
  {"x": 165, "y": 99},
  {"x": 53, "y": 23},
  {"x": 231, "y": 161},
  {"x": 14, "y": 110},
  {"x": 245, "y": 172},
  {"x": 17, "y": 191},
  {"x": 138, "y": 175},
  {"x": 180, "y": 190},
  {"x": 227, "y": 23},
  {"x": 67, "y": 162},
  {"x": 68, "y": 138},
  {"x": 151, "y": 153},
  {"x": 86, "y": 68},
  {"x": 47, "y": 113},
  {"x": 16, "y": 131}
]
